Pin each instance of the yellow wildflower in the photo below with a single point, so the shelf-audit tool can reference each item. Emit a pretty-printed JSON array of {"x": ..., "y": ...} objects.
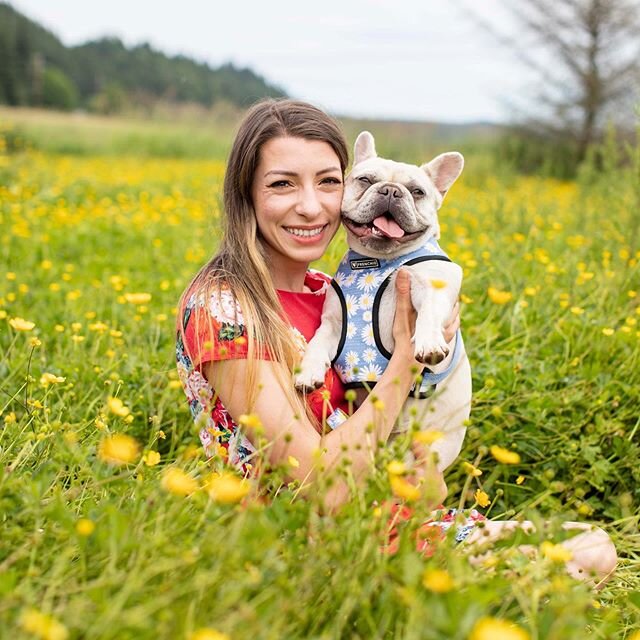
[
  {"x": 117, "y": 407},
  {"x": 208, "y": 634},
  {"x": 177, "y": 482},
  {"x": 151, "y": 458},
  {"x": 137, "y": 298},
  {"x": 20, "y": 324},
  {"x": 495, "y": 629},
  {"x": 437, "y": 580},
  {"x": 49, "y": 378},
  {"x": 471, "y": 469},
  {"x": 427, "y": 437},
  {"x": 396, "y": 468},
  {"x": 250, "y": 420},
  {"x": 227, "y": 488},
  {"x": 607, "y": 331},
  {"x": 403, "y": 489},
  {"x": 42, "y": 625},
  {"x": 35, "y": 342},
  {"x": 482, "y": 498},
  {"x": 10, "y": 418},
  {"x": 519, "y": 479},
  {"x": 504, "y": 456},
  {"x": 118, "y": 449},
  {"x": 293, "y": 462},
  {"x": 499, "y": 297},
  {"x": 85, "y": 527},
  {"x": 555, "y": 552}
]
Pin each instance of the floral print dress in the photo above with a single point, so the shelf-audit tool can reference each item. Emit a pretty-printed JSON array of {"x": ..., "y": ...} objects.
[{"x": 214, "y": 329}]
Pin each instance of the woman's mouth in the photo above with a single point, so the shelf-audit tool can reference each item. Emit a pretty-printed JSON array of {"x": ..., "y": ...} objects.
[{"x": 306, "y": 232}]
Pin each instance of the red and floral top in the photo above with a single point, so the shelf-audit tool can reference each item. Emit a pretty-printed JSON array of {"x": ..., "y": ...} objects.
[{"x": 218, "y": 334}]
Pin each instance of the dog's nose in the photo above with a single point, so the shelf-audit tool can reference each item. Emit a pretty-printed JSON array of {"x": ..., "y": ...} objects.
[{"x": 387, "y": 189}]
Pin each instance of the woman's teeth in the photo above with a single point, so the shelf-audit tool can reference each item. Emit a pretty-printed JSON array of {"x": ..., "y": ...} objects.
[{"x": 305, "y": 233}]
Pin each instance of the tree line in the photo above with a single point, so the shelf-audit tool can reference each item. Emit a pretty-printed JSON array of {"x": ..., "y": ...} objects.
[{"x": 37, "y": 69}]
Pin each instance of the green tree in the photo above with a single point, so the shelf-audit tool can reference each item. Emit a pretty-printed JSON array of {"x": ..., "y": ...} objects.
[{"x": 58, "y": 90}]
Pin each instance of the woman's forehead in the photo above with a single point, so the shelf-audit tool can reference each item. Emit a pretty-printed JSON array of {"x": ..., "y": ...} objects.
[{"x": 294, "y": 155}]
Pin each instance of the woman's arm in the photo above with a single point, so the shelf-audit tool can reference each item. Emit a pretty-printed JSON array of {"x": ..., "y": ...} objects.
[{"x": 289, "y": 434}]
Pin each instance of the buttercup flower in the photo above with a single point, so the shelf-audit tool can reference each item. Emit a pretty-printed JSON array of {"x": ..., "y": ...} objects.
[
  {"x": 137, "y": 298},
  {"x": 20, "y": 324},
  {"x": 43, "y": 626},
  {"x": 85, "y": 527},
  {"x": 118, "y": 449},
  {"x": 495, "y": 629},
  {"x": 117, "y": 407},
  {"x": 482, "y": 498},
  {"x": 47, "y": 379},
  {"x": 437, "y": 580},
  {"x": 403, "y": 489},
  {"x": 208, "y": 634},
  {"x": 227, "y": 488},
  {"x": 499, "y": 297},
  {"x": 177, "y": 482},
  {"x": 151, "y": 458},
  {"x": 555, "y": 552},
  {"x": 504, "y": 455}
]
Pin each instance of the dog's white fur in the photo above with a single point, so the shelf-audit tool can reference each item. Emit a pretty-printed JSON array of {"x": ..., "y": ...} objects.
[{"x": 411, "y": 195}]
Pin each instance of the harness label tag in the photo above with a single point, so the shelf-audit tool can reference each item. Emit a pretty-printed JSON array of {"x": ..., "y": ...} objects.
[{"x": 365, "y": 263}]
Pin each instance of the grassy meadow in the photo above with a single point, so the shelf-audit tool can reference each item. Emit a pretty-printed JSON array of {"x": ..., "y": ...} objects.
[{"x": 113, "y": 525}]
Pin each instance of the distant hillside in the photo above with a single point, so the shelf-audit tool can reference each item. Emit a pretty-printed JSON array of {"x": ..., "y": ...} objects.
[{"x": 106, "y": 76}]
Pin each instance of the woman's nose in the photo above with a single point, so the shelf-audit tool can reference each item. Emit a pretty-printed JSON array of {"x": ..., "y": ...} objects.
[{"x": 309, "y": 203}]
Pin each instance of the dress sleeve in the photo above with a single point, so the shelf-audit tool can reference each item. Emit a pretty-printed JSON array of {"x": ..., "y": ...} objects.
[{"x": 214, "y": 329}]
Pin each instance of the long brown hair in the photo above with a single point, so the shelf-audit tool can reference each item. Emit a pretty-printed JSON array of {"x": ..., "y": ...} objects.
[{"x": 241, "y": 262}]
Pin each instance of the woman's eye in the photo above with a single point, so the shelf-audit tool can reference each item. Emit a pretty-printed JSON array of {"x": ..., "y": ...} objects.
[
  {"x": 364, "y": 179},
  {"x": 331, "y": 180},
  {"x": 279, "y": 183},
  {"x": 418, "y": 192}
]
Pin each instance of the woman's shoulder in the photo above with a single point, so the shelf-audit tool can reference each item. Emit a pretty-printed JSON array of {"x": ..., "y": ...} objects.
[{"x": 218, "y": 301}]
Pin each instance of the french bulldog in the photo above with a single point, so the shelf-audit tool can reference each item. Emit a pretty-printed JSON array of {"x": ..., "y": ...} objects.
[{"x": 390, "y": 212}]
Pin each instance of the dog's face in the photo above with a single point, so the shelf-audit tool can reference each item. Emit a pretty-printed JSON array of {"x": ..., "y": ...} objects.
[{"x": 389, "y": 207}]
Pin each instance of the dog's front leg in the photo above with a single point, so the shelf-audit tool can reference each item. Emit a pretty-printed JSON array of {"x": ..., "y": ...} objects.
[
  {"x": 434, "y": 294},
  {"x": 322, "y": 348}
]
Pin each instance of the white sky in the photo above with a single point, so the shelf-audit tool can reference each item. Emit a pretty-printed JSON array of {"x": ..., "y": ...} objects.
[{"x": 414, "y": 59}]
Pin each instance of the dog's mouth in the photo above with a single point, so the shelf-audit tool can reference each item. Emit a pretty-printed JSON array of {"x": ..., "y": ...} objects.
[{"x": 383, "y": 226}]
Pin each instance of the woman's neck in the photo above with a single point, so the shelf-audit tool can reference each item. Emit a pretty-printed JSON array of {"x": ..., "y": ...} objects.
[{"x": 288, "y": 276}]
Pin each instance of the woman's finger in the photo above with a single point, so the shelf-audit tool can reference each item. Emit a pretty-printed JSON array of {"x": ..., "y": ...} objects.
[{"x": 453, "y": 324}]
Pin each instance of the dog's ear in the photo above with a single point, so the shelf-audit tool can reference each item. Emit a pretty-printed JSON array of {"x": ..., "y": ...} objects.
[
  {"x": 364, "y": 148},
  {"x": 444, "y": 170}
]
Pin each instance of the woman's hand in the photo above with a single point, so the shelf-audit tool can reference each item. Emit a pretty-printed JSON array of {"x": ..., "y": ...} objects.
[
  {"x": 404, "y": 322},
  {"x": 453, "y": 324}
]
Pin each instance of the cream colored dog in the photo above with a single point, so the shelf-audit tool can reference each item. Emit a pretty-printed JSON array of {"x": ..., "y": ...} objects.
[{"x": 390, "y": 212}]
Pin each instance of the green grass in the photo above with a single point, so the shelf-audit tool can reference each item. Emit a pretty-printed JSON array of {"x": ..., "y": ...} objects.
[{"x": 555, "y": 373}]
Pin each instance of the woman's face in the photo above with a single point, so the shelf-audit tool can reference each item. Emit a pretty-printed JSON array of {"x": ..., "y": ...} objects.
[{"x": 297, "y": 192}]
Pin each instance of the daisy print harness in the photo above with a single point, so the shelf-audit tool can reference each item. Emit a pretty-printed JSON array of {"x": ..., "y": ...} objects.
[{"x": 360, "y": 282}]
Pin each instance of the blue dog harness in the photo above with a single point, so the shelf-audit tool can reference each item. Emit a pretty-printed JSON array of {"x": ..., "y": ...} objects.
[{"x": 360, "y": 282}]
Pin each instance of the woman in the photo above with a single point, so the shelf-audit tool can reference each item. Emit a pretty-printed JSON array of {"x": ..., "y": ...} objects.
[{"x": 246, "y": 317}]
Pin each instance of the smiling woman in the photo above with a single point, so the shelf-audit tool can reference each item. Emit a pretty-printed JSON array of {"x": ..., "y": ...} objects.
[
  {"x": 246, "y": 318},
  {"x": 296, "y": 193}
]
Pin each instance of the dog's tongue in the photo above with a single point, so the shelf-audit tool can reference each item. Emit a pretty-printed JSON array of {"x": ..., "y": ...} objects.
[{"x": 389, "y": 227}]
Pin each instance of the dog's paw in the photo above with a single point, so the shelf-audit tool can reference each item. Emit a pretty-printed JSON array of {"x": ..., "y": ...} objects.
[
  {"x": 310, "y": 377},
  {"x": 431, "y": 351}
]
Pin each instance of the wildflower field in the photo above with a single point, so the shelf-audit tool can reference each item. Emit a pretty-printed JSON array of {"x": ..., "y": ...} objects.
[{"x": 113, "y": 524}]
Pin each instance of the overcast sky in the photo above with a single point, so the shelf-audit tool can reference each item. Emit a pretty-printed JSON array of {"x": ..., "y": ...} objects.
[{"x": 413, "y": 59}]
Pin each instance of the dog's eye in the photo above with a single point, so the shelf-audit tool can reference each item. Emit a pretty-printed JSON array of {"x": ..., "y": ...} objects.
[
  {"x": 364, "y": 179},
  {"x": 417, "y": 192}
]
